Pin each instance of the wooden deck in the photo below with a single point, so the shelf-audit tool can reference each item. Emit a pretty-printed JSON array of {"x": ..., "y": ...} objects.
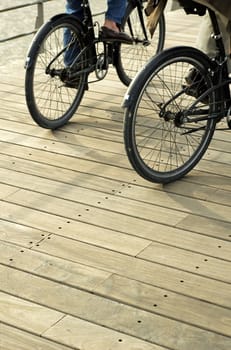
[{"x": 92, "y": 256}]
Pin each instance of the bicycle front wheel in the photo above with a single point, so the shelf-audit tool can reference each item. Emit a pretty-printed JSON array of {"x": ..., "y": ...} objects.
[
  {"x": 168, "y": 127},
  {"x": 52, "y": 96},
  {"x": 131, "y": 58}
]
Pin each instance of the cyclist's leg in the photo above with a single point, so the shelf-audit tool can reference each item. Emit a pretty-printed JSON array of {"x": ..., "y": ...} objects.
[
  {"x": 207, "y": 44},
  {"x": 111, "y": 30},
  {"x": 115, "y": 10},
  {"x": 73, "y": 7}
]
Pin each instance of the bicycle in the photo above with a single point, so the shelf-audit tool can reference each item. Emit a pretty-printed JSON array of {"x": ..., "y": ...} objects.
[
  {"x": 172, "y": 109},
  {"x": 54, "y": 88}
]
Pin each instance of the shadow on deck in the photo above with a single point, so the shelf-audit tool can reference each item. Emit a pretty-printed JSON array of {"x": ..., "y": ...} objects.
[{"x": 94, "y": 257}]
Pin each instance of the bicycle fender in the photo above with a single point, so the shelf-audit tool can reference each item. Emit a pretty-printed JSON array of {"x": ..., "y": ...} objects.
[
  {"x": 42, "y": 31},
  {"x": 63, "y": 15},
  {"x": 131, "y": 91}
]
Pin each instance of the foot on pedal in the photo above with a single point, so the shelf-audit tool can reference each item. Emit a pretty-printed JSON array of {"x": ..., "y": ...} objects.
[{"x": 110, "y": 35}]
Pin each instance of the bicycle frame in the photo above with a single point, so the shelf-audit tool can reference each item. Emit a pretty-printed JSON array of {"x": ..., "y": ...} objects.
[{"x": 221, "y": 70}]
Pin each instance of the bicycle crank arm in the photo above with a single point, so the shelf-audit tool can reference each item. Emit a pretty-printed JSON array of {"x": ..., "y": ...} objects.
[{"x": 54, "y": 72}]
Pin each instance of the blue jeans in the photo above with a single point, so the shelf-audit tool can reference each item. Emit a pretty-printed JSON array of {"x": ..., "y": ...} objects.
[
  {"x": 115, "y": 9},
  {"x": 115, "y": 12}
]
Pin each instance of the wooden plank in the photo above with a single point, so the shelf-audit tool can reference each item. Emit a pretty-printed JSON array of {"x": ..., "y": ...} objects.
[
  {"x": 180, "y": 196},
  {"x": 60, "y": 225},
  {"x": 90, "y": 109},
  {"x": 58, "y": 137},
  {"x": 86, "y": 144},
  {"x": 84, "y": 213},
  {"x": 150, "y": 298},
  {"x": 108, "y": 238},
  {"x": 85, "y": 335},
  {"x": 69, "y": 137},
  {"x": 218, "y": 156},
  {"x": 30, "y": 316},
  {"x": 181, "y": 203},
  {"x": 92, "y": 148},
  {"x": 178, "y": 206},
  {"x": 89, "y": 233},
  {"x": 105, "y": 208},
  {"x": 140, "y": 194},
  {"x": 20, "y": 234},
  {"x": 90, "y": 336},
  {"x": 82, "y": 328},
  {"x": 91, "y": 114},
  {"x": 32, "y": 320},
  {"x": 6, "y": 191},
  {"x": 49, "y": 160},
  {"x": 92, "y": 311},
  {"x": 213, "y": 180},
  {"x": 203, "y": 191},
  {"x": 65, "y": 162},
  {"x": 13, "y": 338},
  {"x": 205, "y": 225},
  {"x": 165, "y": 277},
  {"x": 103, "y": 118},
  {"x": 192, "y": 262},
  {"x": 50, "y": 267},
  {"x": 220, "y": 144},
  {"x": 173, "y": 237},
  {"x": 111, "y": 118},
  {"x": 81, "y": 234},
  {"x": 79, "y": 150},
  {"x": 167, "y": 303},
  {"x": 202, "y": 186},
  {"x": 82, "y": 176}
]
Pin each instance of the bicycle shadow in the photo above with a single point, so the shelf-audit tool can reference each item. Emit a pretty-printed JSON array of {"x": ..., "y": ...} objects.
[{"x": 202, "y": 194}]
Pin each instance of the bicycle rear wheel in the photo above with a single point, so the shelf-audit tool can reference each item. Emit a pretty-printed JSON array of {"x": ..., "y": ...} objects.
[
  {"x": 168, "y": 127},
  {"x": 52, "y": 96},
  {"x": 131, "y": 58}
]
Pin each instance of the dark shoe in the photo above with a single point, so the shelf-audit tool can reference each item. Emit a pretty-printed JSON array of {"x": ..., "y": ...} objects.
[
  {"x": 110, "y": 35},
  {"x": 195, "y": 85}
]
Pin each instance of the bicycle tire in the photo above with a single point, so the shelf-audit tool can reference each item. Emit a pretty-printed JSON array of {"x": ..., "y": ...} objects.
[
  {"x": 131, "y": 58},
  {"x": 161, "y": 144},
  {"x": 51, "y": 99}
]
